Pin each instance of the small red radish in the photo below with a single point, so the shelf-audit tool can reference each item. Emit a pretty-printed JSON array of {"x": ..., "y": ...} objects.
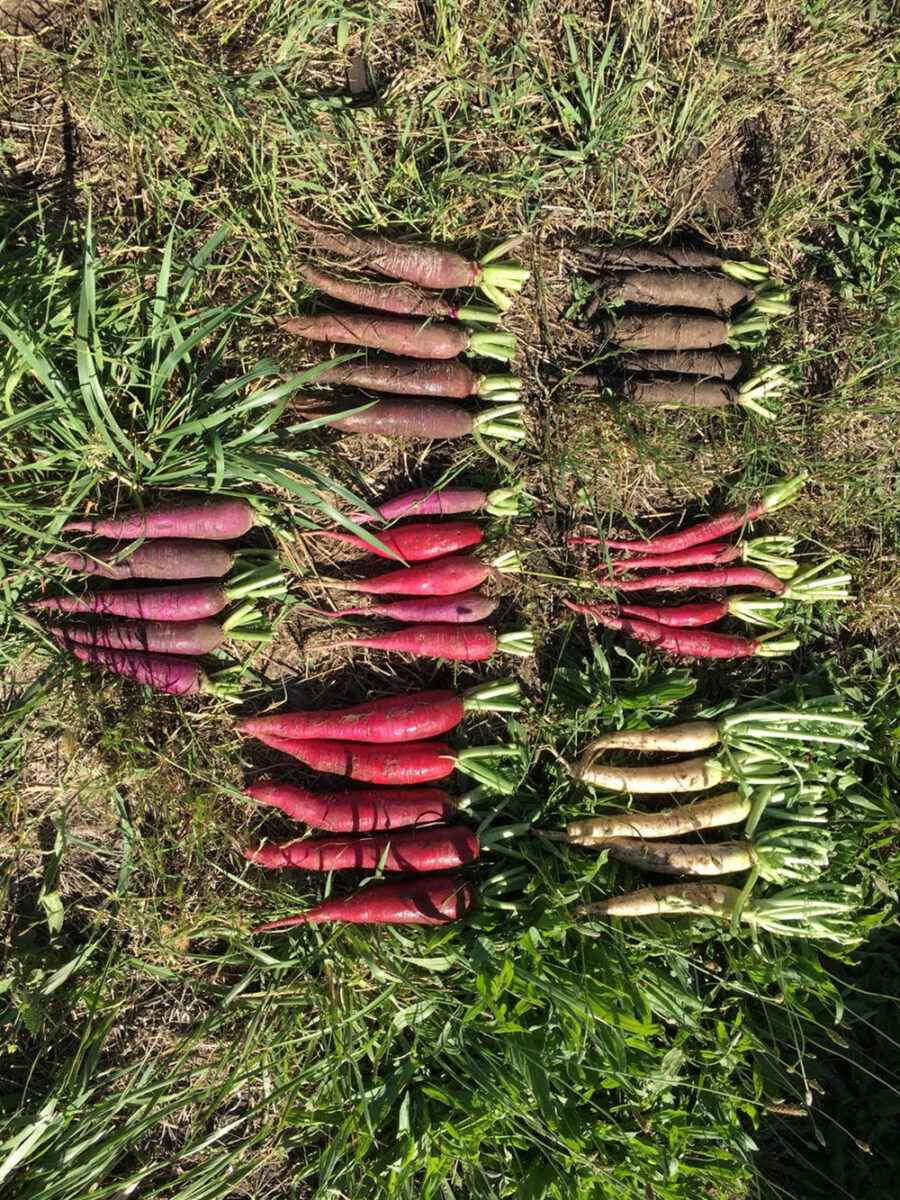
[
  {"x": 427, "y": 900},
  {"x": 456, "y": 643},
  {"x": 445, "y": 502},
  {"x": 358, "y": 811},
  {"x": 459, "y": 610},
  {"x": 162, "y": 672},
  {"x": 435, "y": 848},
  {"x": 446, "y": 577},
  {"x": 415, "y": 543},
  {"x": 419, "y": 377},
  {"x": 402, "y": 299},
  {"x": 412, "y": 337},
  {"x": 162, "y": 558},
  {"x": 215, "y": 518},
  {"x": 390, "y": 719}
]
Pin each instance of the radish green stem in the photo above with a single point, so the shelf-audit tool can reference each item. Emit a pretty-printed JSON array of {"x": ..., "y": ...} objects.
[
  {"x": 494, "y": 385},
  {"x": 474, "y": 762},
  {"x": 503, "y": 695},
  {"x": 493, "y": 344},
  {"x": 472, "y": 315},
  {"x": 744, "y": 272},
  {"x": 521, "y": 642}
]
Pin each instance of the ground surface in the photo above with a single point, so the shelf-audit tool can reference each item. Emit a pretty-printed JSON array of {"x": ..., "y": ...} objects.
[{"x": 150, "y": 1046}]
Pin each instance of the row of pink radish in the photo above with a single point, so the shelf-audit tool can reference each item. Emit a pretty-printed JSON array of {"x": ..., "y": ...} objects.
[{"x": 692, "y": 559}]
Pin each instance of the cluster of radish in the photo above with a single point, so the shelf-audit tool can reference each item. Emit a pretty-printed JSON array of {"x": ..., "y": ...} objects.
[
  {"x": 439, "y": 588},
  {"x": 398, "y": 826},
  {"x": 777, "y": 762},
  {"x": 696, "y": 559},
  {"x": 154, "y": 634},
  {"x": 418, "y": 379},
  {"x": 686, "y": 355}
]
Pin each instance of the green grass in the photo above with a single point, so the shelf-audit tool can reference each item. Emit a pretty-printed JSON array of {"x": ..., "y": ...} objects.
[{"x": 149, "y": 1045}]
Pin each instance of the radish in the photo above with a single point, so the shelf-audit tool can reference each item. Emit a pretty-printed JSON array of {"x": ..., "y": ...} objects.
[
  {"x": 183, "y": 602},
  {"x": 436, "y": 848},
  {"x": 445, "y": 502},
  {"x": 415, "y": 543},
  {"x": 807, "y": 586},
  {"x": 163, "y": 558},
  {"x": 707, "y": 393},
  {"x": 162, "y": 672},
  {"x": 749, "y": 607},
  {"x": 429, "y": 266},
  {"x": 680, "y": 331},
  {"x": 391, "y": 719},
  {"x": 456, "y": 643},
  {"x": 429, "y": 419},
  {"x": 769, "y": 552},
  {"x": 420, "y": 377},
  {"x": 166, "y": 637},
  {"x": 217, "y": 519},
  {"x": 409, "y": 336},
  {"x": 672, "y": 257},
  {"x": 356, "y": 811},
  {"x": 772, "y": 499},
  {"x": 728, "y": 809},
  {"x": 461, "y": 609},
  {"x": 428, "y": 900},
  {"x": 394, "y": 765},
  {"x": 714, "y": 364},
  {"x": 675, "y": 289},
  {"x": 689, "y": 642},
  {"x": 394, "y": 298},
  {"x": 446, "y": 577}
]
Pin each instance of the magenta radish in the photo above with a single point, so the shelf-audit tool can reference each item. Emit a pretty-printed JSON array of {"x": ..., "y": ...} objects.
[
  {"x": 445, "y": 502},
  {"x": 756, "y": 610},
  {"x": 162, "y": 672},
  {"x": 165, "y": 637},
  {"x": 446, "y": 577},
  {"x": 412, "y": 337},
  {"x": 390, "y": 719},
  {"x": 216, "y": 519},
  {"x": 427, "y": 900},
  {"x": 403, "y": 299},
  {"x": 434, "y": 848},
  {"x": 415, "y": 543},
  {"x": 419, "y": 377},
  {"x": 461, "y": 609},
  {"x": 162, "y": 558},
  {"x": 359, "y": 811},
  {"x": 456, "y": 643}
]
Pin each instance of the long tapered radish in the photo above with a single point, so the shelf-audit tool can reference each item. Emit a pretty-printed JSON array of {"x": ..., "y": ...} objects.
[
  {"x": 427, "y": 418},
  {"x": 772, "y": 499},
  {"x": 684, "y": 331},
  {"x": 360, "y": 811},
  {"x": 403, "y": 299},
  {"x": 445, "y": 502},
  {"x": 427, "y": 265},
  {"x": 415, "y": 543},
  {"x": 162, "y": 672},
  {"x": 771, "y": 553},
  {"x": 216, "y": 518},
  {"x": 161, "y": 558},
  {"x": 419, "y": 377},
  {"x": 461, "y": 609},
  {"x": 675, "y": 289},
  {"x": 677, "y": 858},
  {"x": 412, "y": 337},
  {"x": 164, "y": 637},
  {"x": 392, "y": 718},
  {"x": 435, "y": 848},
  {"x": 673, "y": 899},
  {"x": 728, "y": 809},
  {"x": 751, "y": 608},
  {"x": 456, "y": 643},
  {"x": 689, "y": 775},
  {"x": 692, "y": 643},
  {"x": 183, "y": 602},
  {"x": 685, "y": 738},
  {"x": 655, "y": 257},
  {"x": 446, "y": 577},
  {"x": 712, "y": 364},
  {"x": 397, "y": 764},
  {"x": 427, "y": 900}
]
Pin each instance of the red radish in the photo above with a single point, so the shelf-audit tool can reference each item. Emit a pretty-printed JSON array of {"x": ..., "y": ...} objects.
[
  {"x": 710, "y": 577},
  {"x": 436, "y": 848},
  {"x": 394, "y": 765},
  {"x": 456, "y": 643},
  {"x": 391, "y": 719},
  {"x": 163, "y": 672},
  {"x": 183, "y": 602},
  {"x": 216, "y": 519},
  {"x": 689, "y": 642},
  {"x": 409, "y": 336},
  {"x": 418, "y": 377},
  {"x": 460, "y": 609},
  {"x": 415, "y": 543},
  {"x": 357, "y": 811},
  {"x": 394, "y": 298},
  {"x": 428, "y": 900},
  {"x": 446, "y": 577},
  {"x": 684, "y": 616},
  {"x": 775, "y": 497},
  {"x": 444, "y": 502},
  {"x": 163, "y": 558},
  {"x": 709, "y": 552},
  {"x": 428, "y": 266}
]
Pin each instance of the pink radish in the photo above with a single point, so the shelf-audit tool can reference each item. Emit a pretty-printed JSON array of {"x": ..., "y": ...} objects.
[
  {"x": 428, "y": 900},
  {"x": 163, "y": 558},
  {"x": 356, "y": 811},
  {"x": 393, "y": 298},
  {"x": 410, "y": 336},
  {"x": 390, "y": 719},
  {"x": 162, "y": 672},
  {"x": 415, "y": 543},
  {"x": 710, "y": 577},
  {"x": 709, "y": 552},
  {"x": 435, "y": 848},
  {"x": 444, "y": 502},
  {"x": 456, "y": 643},
  {"x": 183, "y": 602},
  {"x": 460, "y": 609},
  {"x": 217, "y": 519},
  {"x": 446, "y": 577}
]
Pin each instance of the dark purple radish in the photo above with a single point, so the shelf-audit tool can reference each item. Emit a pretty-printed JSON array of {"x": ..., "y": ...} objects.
[
  {"x": 676, "y": 289},
  {"x": 403, "y": 299},
  {"x": 216, "y": 519},
  {"x": 414, "y": 337},
  {"x": 162, "y": 672},
  {"x": 419, "y": 377},
  {"x": 163, "y": 558},
  {"x": 159, "y": 637}
]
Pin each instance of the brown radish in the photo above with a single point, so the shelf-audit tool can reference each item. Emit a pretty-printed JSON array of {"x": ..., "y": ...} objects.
[
  {"x": 662, "y": 257},
  {"x": 670, "y": 331},
  {"x": 728, "y": 809},
  {"x": 676, "y": 289},
  {"x": 683, "y": 393},
  {"x": 407, "y": 418},
  {"x": 713, "y": 364}
]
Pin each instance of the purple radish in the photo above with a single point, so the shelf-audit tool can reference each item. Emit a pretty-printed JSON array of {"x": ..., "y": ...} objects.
[
  {"x": 215, "y": 519},
  {"x": 165, "y": 558}
]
